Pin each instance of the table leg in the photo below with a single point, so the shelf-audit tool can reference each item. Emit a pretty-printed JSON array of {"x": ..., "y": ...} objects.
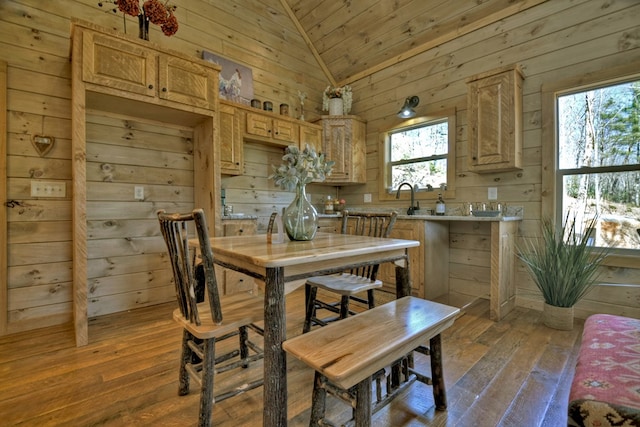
[
  {"x": 403, "y": 278},
  {"x": 437, "y": 376},
  {"x": 275, "y": 362}
]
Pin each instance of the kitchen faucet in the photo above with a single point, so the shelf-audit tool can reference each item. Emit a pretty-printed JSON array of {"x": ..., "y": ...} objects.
[{"x": 411, "y": 209}]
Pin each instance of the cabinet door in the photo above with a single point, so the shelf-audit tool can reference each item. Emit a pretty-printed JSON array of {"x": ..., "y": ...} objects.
[
  {"x": 231, "y": 144},
  {"x": 186, "y": 82},
  {"x": 110, "y": 62},
  {"x": 409, "y": 230},
  {"x": 311, "y": 135},
  {"x": 344, "y": 143},
  {"x": 329, "y": 225},
  {"x": 258, "y": 124},
  {"x": 285, "y": 131},
  {"x": 495, "y": 111}
]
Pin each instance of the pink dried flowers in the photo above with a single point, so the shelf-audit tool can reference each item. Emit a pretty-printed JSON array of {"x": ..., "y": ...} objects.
[{"x": 154, "y": 10}]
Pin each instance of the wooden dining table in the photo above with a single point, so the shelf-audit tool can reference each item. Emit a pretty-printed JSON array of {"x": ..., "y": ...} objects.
[{"x": 278, "y": 263}]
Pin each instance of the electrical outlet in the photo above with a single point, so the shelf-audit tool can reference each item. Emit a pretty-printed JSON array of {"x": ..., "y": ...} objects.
[
  {"x": 367, "y": 198},
  {"x": 492, "y": 193},
  {"x": 138, "y": 192},
  {"x": 48, "y": 189}
]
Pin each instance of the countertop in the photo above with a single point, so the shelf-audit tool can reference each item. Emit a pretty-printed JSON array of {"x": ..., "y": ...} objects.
[{"x": 442, "y": 218}]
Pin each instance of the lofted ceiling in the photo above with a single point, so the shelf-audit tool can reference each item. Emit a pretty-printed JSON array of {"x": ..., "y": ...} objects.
[{"x": 352, "y": 39}]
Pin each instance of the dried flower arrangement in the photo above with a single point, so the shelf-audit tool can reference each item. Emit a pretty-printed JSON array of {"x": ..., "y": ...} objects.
[
  {"x": 343, "y": 92},
  {"x": 152, "y": 10},
  {"x": 300, "y": 167}
]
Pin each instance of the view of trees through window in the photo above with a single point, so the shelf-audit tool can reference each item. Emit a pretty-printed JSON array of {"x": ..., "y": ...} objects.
[
  {"x": 599, "y": 161},
  {"x": 419, "y": 155}
]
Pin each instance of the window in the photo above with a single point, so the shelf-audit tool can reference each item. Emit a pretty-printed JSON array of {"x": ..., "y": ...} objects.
[
  {"x": 420, "y": 151},
  {"x": 598, "y": 158},
  {"x": 419, "y": 155}
]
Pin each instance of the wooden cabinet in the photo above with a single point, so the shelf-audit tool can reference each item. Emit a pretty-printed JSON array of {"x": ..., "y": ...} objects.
[
  {"x": 123, "y": 65},
  {"x": 495, "y": 120},
  {"x": 344, "y": 143},
  {"x": 311, "y": 134},
  {"x": 266, "y": 127},
  {"x": 329, "y": 224},
  {"x": 409, "y": 230},
  {"x": 231, "y": 144},
  {"x": 231, "y": 281}
]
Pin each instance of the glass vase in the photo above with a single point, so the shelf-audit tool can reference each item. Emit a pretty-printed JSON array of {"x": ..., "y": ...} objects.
[
  {"x": 300, "y": 217},
  {"x": 143, "y": 24}
]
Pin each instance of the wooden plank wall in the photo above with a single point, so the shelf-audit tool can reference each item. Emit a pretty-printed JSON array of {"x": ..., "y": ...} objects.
[
  {"x": 554, "y": 41},
  {"x": 126, "y": 266},
  {"x": 34, "y": 41}
]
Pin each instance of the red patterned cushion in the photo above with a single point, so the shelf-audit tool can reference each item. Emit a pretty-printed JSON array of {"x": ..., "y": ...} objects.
[{"x": 606, "y": 385}]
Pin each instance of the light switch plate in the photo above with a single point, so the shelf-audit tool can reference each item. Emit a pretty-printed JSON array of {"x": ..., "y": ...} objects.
[
  {"x": 138, "y": 192},
  {"x": 492, "y": 194},
  {"x": 48, "y": 189},
  {"x": 367, "y": 198}
]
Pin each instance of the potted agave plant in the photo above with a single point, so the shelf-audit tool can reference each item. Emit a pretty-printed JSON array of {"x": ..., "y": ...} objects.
[{"x": 564, "y": 266}]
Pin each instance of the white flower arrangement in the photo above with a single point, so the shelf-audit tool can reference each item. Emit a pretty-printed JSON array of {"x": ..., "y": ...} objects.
[
  {"x": 300, "y": 167},
  {"x": 343, "y": 92}
]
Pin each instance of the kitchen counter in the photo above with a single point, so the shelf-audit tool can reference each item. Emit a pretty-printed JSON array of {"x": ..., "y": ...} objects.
[{"x": 459, "y": 218}]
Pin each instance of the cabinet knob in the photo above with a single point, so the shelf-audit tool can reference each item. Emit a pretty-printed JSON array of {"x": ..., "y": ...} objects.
[
  {"x": 474, "y": 158},
  {"x": 150, "y": 86},
  {"x": 164, "y": 89},
  {"x": 241, "y": 231}
]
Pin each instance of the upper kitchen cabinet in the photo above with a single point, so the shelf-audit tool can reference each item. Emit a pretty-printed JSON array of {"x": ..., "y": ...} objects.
[
  {"x": 344, "y": 143},
  {"x": 495, "y": 120},
  {"x": 269, "y": 128},
  {"x": 231, "y": 144},
  {"x": 136, "y": 69},
  {"x": 311, "y": 134}
]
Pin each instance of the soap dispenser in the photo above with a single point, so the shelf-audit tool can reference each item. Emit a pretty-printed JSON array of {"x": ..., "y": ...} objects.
[{"x": 441, "y": 208}]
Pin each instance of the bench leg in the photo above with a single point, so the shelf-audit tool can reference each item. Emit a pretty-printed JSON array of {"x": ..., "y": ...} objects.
[
  {"x": 439, "y": 391},
  {"x": 318, "y": 400},
  {"x": 363, "y": 403}
]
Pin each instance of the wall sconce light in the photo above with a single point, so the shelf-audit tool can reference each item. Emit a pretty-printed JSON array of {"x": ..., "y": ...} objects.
[
  {"x": 407, "y": 110},
  {"x": 43, "y": 144}
]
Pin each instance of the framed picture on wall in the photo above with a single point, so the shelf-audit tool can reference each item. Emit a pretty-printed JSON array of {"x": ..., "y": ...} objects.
[{"x": 236, "y": 81}]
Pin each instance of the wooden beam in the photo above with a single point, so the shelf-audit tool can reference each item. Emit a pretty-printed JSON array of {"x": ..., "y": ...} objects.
[
  {"x": 449, "y": 32},
  {"x": 307, "y": 40}
]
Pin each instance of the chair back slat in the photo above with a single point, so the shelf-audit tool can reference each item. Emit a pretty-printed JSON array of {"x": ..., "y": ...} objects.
[
  {"x": 177, "y": 229},
  {"x": 368, "y": 224}
]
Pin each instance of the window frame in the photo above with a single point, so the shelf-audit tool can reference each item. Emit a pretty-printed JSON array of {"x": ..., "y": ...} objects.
[
  {"x": 384, "y": 192},
  {"x": 551, "y": 191}
]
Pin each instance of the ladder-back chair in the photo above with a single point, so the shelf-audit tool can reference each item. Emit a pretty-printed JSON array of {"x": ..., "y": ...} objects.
[
  {"x": 203, "y": 323},
  {"x": 349, "y": 283}
]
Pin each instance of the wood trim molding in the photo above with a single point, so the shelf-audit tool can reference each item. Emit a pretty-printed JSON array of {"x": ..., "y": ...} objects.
[
  {"x": 4, "y": 291},
  {"x": 308, "y": 41}
]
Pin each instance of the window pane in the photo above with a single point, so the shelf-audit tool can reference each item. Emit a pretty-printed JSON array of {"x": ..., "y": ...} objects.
[
  {"x": 616, "y": 199},
  {"x": 425, "y": 141},
  {"x": 421, "y": 174},
  {"x": 599, "y": 127}
]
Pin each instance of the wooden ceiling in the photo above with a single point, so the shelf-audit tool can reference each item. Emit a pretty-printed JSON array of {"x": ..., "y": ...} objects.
[{"x": 352, "y": 39}]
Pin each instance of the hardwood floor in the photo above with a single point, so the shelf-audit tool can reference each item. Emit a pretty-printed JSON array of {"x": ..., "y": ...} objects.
[{"x": 515, "y": 372}]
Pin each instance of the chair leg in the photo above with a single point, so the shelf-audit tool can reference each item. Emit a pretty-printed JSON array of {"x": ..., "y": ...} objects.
[
  {"x": 244, "y": 349},
  {"x": 310, "y": 293},
  {"x": 318, "y": 400},
  {"x": 344, "y": 307},
  {"x": 185, "y": 357},
  {"x": 371, "y": 298},
  {"x": 206, "y": 392},
  {"x": 363, "y": 403}
]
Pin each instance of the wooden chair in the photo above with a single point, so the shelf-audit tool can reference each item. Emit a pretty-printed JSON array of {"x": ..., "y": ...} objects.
[
  {"x": 203, "y": 323},
  {"x": 348, "y": 284}
]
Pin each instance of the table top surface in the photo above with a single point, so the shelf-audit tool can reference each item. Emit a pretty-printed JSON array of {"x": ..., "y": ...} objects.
[{"x": 325, "y": 246}]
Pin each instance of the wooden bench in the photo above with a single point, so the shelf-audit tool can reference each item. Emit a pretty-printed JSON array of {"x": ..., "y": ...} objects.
[
  {"x": 346, "y": 355},
  {"x": 606, "y": 385}
]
